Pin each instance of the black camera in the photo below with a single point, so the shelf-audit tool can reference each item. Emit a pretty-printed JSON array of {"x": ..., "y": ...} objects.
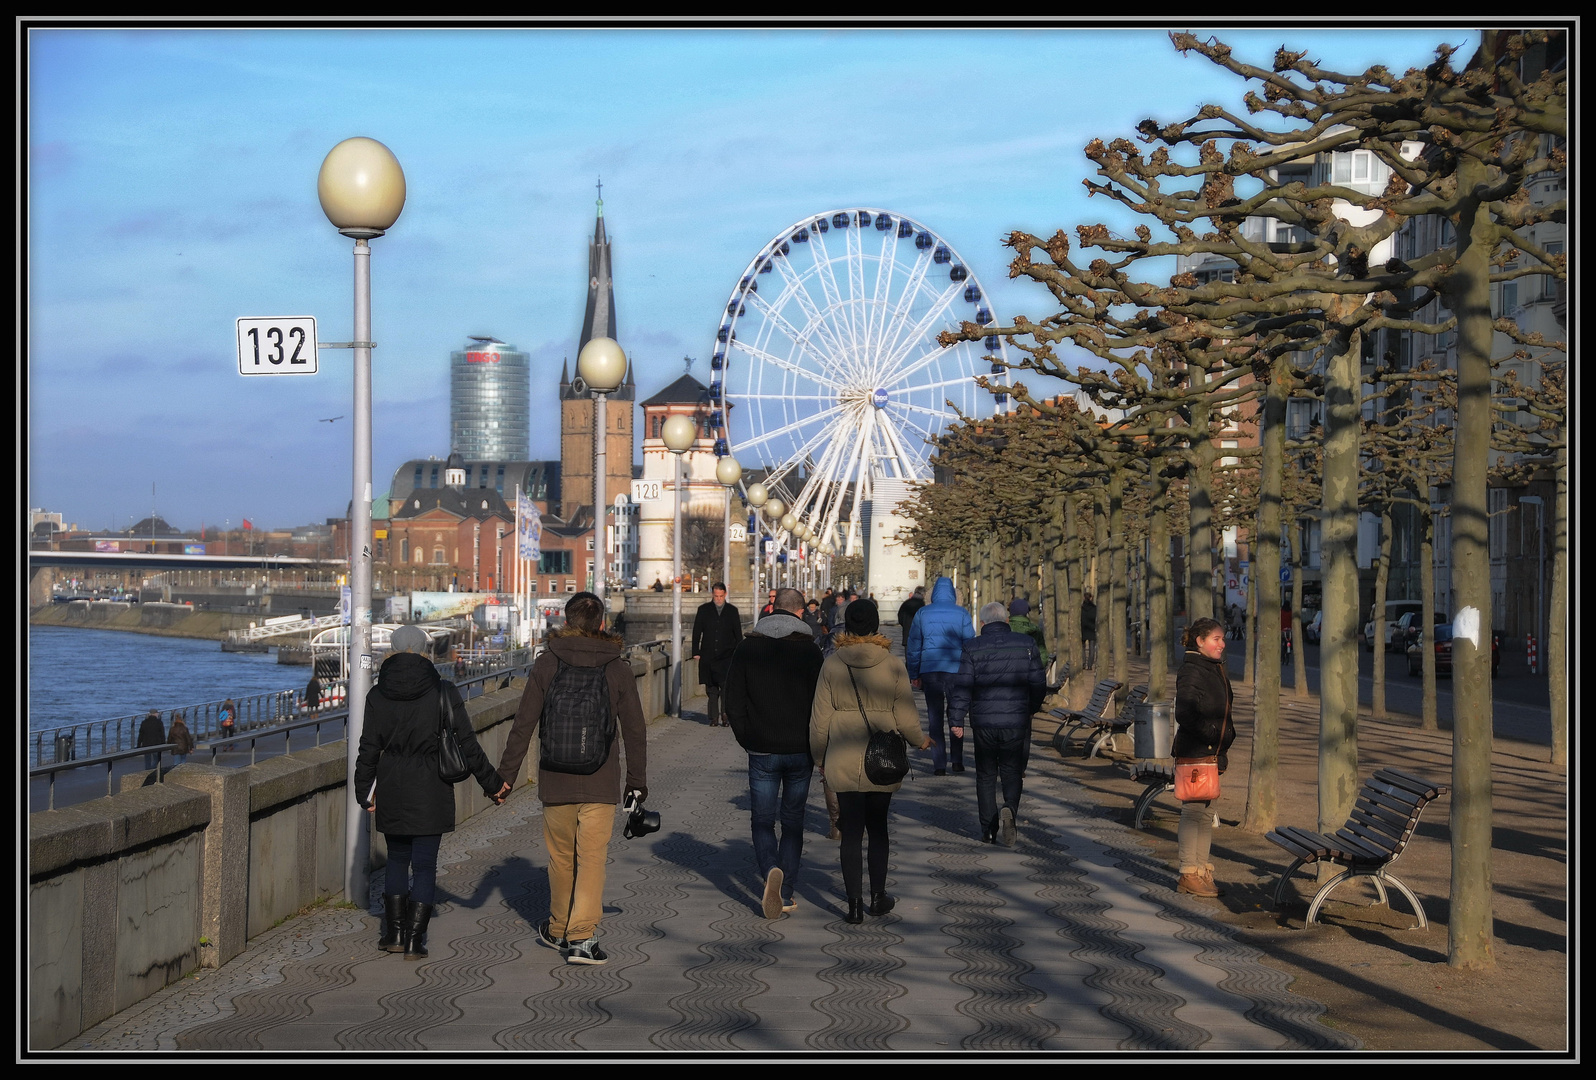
[{"x": 639, "y": 822}]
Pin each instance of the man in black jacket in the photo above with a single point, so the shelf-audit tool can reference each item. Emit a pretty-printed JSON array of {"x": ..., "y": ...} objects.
[
  {"x": 1000, "y": 684},
  {"x": 907, "y": 610},
  {"x": 716, "y": 631},
  {"x": 770, "y": 690}
]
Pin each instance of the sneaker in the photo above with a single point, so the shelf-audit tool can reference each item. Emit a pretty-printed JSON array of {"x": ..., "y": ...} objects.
[
  {"x": 958, "y": 766},
  {"x": 1006, "y": 827},
  {"x": 586, "y": 952},
  {"x": 940, "y": 772},
  {"x": 789, "y": 904},
  {"x": 549, "y": 941},
  {"x": 772, "y": 898}
]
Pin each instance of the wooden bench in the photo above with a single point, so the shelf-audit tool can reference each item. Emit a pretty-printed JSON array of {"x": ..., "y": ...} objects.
[
  {"x": 1158, "y": 776},
  {"x": 1104, "y": 730},
  {"x": 1382, "y": 823},
  {"x": 1076, "y": 719}
]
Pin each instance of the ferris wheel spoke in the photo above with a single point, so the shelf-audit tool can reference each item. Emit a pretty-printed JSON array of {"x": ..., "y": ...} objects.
[
  {"x": 883, "y": 290},
  {"x": 908, "y": 463},
  {"x": 779, "y": 321},
  {"x": 911, "y": 289},
  {"x": 766, "y": 437},
  {"x": 823, "y": 328},
  {"x": 926, "y": 322},
  {"x": 924, "y": 361},
  {"x": 787, "y": 365}
]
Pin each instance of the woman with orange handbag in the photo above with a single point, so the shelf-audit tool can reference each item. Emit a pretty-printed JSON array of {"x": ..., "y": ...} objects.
[{"x": 1204, "y": 731}]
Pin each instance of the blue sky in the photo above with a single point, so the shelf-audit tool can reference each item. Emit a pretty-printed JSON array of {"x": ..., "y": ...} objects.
[{"x": 171, "y": 186}]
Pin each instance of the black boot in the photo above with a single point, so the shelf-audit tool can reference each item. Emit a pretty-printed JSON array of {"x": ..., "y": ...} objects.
[
  {"x": 881, "y": 903},
  {"x": 394, "y": 930},
  {"x": 416, "y": 945},
  {"x": 856, "y": 909}
]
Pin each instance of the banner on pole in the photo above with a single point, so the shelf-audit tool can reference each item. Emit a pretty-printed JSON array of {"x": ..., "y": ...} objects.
[{"x": 528, "y": 527}]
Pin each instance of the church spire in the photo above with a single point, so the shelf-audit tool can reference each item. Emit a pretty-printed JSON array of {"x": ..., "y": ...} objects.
[{"x": 599, "y": 320}]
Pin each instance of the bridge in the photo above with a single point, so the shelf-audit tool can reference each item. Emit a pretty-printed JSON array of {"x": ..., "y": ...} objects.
[{"x": 148, "y": 560}]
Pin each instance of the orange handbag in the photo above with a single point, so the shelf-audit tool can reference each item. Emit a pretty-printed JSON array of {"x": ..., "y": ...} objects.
[{"x": 1197, "y": 779}]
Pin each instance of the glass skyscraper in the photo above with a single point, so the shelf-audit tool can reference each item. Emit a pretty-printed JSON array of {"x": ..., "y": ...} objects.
[{"x": 490, "y": 396}]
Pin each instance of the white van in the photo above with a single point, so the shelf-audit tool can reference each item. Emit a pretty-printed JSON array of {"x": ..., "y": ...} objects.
[{"x": 1394, "y": 610}]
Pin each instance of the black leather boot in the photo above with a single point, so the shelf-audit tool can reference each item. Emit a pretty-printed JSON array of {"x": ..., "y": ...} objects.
[
  {"x": 856, "y": 909},
  {"x": 393, "y": 922},
  {"x": 881, "y": 903},
  {"x": 416, "y": 945}
]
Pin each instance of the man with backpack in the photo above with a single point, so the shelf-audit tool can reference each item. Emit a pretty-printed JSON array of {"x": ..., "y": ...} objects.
[{"x": 580, "y": 692}]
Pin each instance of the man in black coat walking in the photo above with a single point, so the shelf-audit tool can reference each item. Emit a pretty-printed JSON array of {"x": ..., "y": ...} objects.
[
  {"x": 908, "y": 609},
  {"x": 770, "y": 691},
  {"x": 717, "y": 628}
]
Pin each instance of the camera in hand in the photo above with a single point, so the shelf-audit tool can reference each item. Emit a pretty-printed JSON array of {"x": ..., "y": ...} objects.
[{"x": 639, "y": 822}]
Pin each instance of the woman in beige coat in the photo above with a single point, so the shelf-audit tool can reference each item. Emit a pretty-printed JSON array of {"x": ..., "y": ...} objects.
[{"x": 838, "y": 734}]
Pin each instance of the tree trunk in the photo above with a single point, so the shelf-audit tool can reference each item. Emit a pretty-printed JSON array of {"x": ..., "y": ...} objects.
[
  {"x": 1263, "y": 777},
  {"x": 1338, "y": 649},
  {"x": 1428, "y": 720},
  {"x": 1101, "y": 586},
  {"x": 1200, "y": 559},
  {"x": 1253, "y": 637},
  {"x": 1299, "y": 656},
  {"x": 1072, "y": 590},
  {"x": 1158, "y": 592},
  {"x": 1469, "y": 943},
  {"x": 1382, "y": 580},
  {"x": 1117, "y": 575},
  {"x": 1557, "y": 614}
]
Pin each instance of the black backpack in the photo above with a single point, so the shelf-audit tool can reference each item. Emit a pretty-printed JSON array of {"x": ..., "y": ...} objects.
[{"x": 577, "y": 728}]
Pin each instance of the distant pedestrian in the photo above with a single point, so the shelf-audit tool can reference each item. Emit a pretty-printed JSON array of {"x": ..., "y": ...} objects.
[
  {"x": 1234, "y": 616},
  {"x": 839, "y": 613},
  {"x": 907, "y": 611},
  {"x": 313, "y": 693},
  {"x": 1204, "y": 731},
  {"x": 227, "y": 722},
  {"x": 584, "y": 680},
  {"x": 181, "y": 739},
  {"x": 862, "y": 688},
  {"x": 812, "y": 620},
  {"x": 658, "y": 586},
  {"x": 770, "y": 692},
  {"x": 827, "y": 603},
  {"x": 397, "y": 781},
  {"x": 999, "y": 685},
  {"x": 1020, "y": 622},
  {"x": 1089, "y": 630},
  {"x": 717, "y": 628},
  {"x": 770, "y": 605},
  {"x": 932, "y": 653},
  {"x": 151, "y": 733}
]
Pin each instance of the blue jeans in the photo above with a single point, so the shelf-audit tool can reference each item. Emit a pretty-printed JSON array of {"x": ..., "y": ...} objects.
[
  {"x": 1001, "y": 755},
  {"x": 778, "y": 785},
  {"x": 935, "y": 684},
  {"x": 413, "y": 853}
]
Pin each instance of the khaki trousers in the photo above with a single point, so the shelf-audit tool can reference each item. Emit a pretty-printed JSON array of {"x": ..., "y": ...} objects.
[{"x": 577, "y": 836}]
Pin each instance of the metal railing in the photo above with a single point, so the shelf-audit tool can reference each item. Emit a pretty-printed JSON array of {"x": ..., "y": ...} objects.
[
  {"x": 300, "y": 625},
  {"x": 471, "y": 679}
]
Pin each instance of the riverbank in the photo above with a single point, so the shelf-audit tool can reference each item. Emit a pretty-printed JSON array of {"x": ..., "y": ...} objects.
[{"x": 164, "y": 620}]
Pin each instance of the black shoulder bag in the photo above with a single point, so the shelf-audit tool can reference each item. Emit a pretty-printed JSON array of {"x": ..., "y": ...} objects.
[
  {"x": 452, "y": 766},
  {"x": 886, "y": 759}
]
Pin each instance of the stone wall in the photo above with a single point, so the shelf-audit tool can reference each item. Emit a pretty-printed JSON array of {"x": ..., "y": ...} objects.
[{"x": 129, "y": 893}]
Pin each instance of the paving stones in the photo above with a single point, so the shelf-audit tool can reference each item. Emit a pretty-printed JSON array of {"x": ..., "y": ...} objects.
[{"x": 1073, "y": 939}]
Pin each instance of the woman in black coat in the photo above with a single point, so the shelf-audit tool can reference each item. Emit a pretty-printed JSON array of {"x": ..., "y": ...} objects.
[
  {"x": 396, "y": 777},
  {"x": 1204, "y": 729}
]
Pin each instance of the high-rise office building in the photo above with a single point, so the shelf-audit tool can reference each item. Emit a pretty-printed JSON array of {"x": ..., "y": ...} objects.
[{"x": 490, "y": 393}]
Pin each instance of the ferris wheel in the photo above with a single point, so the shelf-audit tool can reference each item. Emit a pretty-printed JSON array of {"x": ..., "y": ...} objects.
[{"x": 828, "y": 364}]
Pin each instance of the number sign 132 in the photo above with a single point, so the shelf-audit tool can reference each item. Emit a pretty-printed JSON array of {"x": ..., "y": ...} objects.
[{"x": 285, "y": 346}]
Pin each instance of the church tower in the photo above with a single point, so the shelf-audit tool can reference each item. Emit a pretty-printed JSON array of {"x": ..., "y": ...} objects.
[{"x": 577, "y": 410}]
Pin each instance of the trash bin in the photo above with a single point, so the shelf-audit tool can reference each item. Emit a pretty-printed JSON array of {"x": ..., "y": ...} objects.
[
  {"x": 64, "y": 747},
  {"x": 1154, "y": 729}
]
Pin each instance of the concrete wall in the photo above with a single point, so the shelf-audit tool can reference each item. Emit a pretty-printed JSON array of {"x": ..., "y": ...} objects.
[{"x": 129, "y": 893}]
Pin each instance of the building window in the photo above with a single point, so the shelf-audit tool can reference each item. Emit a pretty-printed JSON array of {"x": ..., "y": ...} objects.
[
  {"x": 498, "y": 483},
  {"x": 1498, "y": 519},
  {"x": 554, "y": 562},
  {"x": 570, "y": 586},
  {"x": 434, "y": 476},
  {"x": 590, "y": 543},
  {"x": 404, "y": 549},
  {"x": 437, "y": 556},
  {"x": 418, "y": 477},
  {"x": 1549, "y": 284}
]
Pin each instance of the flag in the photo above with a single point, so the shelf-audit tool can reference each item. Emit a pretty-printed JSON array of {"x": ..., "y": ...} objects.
[
  {"x": 247, "y": 525},
  {"x": 529, "y": 526}
]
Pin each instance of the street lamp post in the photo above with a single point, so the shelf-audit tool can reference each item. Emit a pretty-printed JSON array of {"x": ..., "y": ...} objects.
[
  {"x": 728, "y": 472},
  {"x": 601, "y": 365},
  {"x": 757, "y": 497},
  {"x": 362, "y": 191},
  {"x": 1540, "y": 571},
  {"x": 678, "y": 433}
]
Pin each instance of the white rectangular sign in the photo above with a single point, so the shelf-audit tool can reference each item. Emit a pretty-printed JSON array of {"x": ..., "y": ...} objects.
[
  {"x": 739, "y": 533},
  {"x": 282, "y": 346},
  {"x": 647, "y": 490}
]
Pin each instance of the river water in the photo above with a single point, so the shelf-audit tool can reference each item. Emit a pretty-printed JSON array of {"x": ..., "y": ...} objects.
[{"x": 77, "y": 674}]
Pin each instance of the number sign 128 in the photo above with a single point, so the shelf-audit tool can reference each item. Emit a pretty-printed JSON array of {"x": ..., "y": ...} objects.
[{"x": 282, "y": 346}]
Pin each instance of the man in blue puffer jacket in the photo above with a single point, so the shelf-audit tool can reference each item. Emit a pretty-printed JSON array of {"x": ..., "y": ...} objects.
[
  {"x": 999, "y": 685},
  {"x": 936, "y": 640}
]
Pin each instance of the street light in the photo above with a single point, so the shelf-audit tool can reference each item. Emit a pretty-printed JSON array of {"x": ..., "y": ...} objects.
[
  {"x": 601, "y": 365},
  {"x": 678, "y": 433},
  {"x": 362, "y": 191},
  {"x": 757, "y": 497},
  {"x": 728, "y": 472},
  {"x": 1540, "y": 570}
]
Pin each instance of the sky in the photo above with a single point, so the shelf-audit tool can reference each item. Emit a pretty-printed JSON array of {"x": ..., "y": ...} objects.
[{"x": 170, "y": 183}]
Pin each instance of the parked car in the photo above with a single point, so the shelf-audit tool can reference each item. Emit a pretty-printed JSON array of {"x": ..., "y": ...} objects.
[
  {"x": 1442, "y": 639},
  {"x": 1410, "y": 624},
  {"x": 1394, "y": 610},
  {"x": 1312, "y": 629}
]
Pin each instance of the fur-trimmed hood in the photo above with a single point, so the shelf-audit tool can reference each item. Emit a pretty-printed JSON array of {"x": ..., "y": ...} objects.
[
  {"x": 862, "y": 650},
  {"x": 585, "y": 648}
]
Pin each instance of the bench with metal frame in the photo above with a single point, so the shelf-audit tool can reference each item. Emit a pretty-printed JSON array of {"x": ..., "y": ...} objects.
[
  {"x": 1105, "y": 729},
  {"x": 1382, "y": 823},
  {"x": 1158, "y": 776},
  {"x": 1089, "y": 717}
]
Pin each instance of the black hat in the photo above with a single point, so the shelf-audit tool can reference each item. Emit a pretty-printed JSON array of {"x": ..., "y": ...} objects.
[{"x": 862, "y": 618}]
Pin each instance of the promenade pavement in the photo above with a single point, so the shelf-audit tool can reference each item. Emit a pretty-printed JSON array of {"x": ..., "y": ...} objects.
[{"x": 1073, "y": 940}]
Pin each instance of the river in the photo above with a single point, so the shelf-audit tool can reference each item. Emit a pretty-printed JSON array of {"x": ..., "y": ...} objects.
[{"x": 76, "y": 674}]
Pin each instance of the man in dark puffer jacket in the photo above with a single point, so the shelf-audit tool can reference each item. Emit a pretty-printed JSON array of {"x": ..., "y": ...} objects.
[
  {"x": 770, "y": 691},
  {"x": 999, "y": 684}
]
